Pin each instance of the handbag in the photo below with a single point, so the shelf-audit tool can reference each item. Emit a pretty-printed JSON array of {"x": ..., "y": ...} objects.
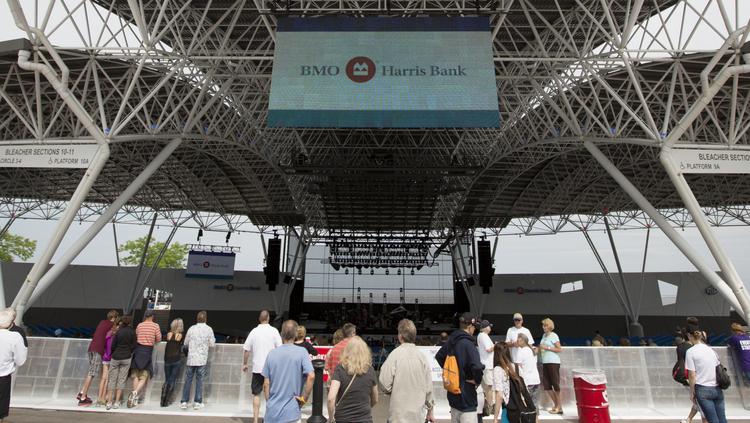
[{"x": 722, "y": 377}]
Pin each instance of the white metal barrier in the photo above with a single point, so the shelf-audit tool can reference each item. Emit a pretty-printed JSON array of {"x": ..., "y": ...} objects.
[{"x": 637, "y": 377}]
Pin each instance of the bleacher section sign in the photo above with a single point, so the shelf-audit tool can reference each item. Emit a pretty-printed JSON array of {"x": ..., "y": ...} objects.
[
  {"x": 210, "y": 265},
  {"x": 69, "y": 156},
  {"x": 347, "y": 72},
  {"x": 711, "y": 161}
]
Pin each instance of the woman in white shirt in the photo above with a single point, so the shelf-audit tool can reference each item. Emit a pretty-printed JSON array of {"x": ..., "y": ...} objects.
[
  {"x": 701, "y": 362},
  {"x": 527, "y": 367}
]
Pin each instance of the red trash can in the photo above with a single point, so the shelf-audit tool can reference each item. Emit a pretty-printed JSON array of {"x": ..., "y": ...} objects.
[{"x": 591, "y": 396}]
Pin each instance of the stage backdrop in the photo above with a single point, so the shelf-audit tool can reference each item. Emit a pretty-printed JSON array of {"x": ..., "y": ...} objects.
[{"x": 383, "y": 72}]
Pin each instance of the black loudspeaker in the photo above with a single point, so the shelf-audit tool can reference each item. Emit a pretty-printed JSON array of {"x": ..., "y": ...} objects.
[
  {"x": 484, "y": 262},
  {"x": 296, "y": 298},
  {"x": 460, "y": 299},
  {"x": 272, "y": 263}
]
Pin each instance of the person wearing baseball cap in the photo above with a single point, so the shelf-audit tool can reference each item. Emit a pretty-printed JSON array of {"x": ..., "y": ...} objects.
[
  {"x": 511, "y": 336},
  {"x": 461, "y": 345},
  {"x": 486, "y": 355}
]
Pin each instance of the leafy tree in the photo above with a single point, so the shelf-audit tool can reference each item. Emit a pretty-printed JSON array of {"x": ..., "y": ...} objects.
[
  {"x": 174, "y": 257},
  {"x": 16, "y": 246}
]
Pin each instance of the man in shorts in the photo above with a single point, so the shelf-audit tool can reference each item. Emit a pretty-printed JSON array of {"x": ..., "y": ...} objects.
[
  {"x": 261, "y": 340},
  {"x": 148, "y": 334},
  {"x": 95, "y": 353}
]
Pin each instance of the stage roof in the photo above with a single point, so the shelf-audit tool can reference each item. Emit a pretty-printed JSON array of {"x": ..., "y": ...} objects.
[{"x": 205, "y": 73}]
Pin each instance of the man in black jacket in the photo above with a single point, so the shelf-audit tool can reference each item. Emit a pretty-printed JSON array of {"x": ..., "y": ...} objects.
[{"x": 461, "y": 344}]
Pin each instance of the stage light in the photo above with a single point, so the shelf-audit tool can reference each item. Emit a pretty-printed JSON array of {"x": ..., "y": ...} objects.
[
  {"x": 372, "y": 271},
  {"x": 359, "y": 271},
  {"x": 412, "y": 272},
  {"x": 387, "y": 272},
  {"x": 399, "y": 272},
  {"x": 346, "y": 271},
  {"x": 229, "y": 235},
  {"x": 200, "y": 234}
]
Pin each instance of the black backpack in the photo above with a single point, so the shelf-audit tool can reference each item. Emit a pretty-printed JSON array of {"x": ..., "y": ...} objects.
[{"x": 521, "y": 407}]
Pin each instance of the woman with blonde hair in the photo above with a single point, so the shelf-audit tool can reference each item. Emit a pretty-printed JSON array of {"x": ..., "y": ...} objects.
[
  {"x": 172, "y": 359},
  {"x": 550, "y": 357},
  {"x": 354, "y": 389}
]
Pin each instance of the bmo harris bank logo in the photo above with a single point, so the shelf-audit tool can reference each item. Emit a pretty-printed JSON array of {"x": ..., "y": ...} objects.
[
  {"x": 362, "y": 69},
  {"x": 359, "y": 69}
]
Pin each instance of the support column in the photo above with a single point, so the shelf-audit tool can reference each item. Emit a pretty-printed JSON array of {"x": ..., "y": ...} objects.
[
  {"x": 60, "y": 84},
  {"x": 129, "y": 305},
  {"x": 664, "y": 225},
  {"x": 699, "y": 218},
  {"x": 109, "y": 213},
  {"x": 2, "y": 288}
]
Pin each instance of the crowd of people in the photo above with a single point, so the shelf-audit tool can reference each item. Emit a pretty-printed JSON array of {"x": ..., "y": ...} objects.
[{"x": 503, "y": 380}]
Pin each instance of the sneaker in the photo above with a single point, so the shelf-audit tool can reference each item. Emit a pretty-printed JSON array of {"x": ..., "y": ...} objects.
[
  {"x": 183, "y": 405},
  {"x": 108, "y": 406},
  {"x": 78, "y": 397},
  {"x": 85, "y": 402},
  {"x": 198, "y": 406},
  {"x": 99, "y": 404},
  {"x": 132, "y": 399},
  {"x": 116, "y": 405}
]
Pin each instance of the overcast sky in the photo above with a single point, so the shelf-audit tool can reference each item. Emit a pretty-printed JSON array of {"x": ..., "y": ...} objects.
[{"x": 563, "y": 253}]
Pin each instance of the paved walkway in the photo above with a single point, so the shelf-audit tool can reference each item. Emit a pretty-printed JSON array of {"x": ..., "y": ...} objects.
[{"x": 24, "y": 415}]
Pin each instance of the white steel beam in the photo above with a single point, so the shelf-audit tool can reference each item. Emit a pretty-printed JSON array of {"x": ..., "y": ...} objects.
[
  {"x": 60, "y": 85},
  {"x": 103, "y": 219},
  {"x": 685, "y": 247}
]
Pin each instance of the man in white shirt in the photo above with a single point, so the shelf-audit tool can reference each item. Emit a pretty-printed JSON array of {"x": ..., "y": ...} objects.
[
  {"x": 511, "y": 337},
  {"x": 259, "y": 343},
  {"x": 198, "y": 339},
  {"x": 12, "y": 356},
  {"x": 486, "y": 356}
]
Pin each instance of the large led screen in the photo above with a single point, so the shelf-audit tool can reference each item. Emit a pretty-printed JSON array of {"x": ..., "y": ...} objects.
[{"x": 345, "y": 72}]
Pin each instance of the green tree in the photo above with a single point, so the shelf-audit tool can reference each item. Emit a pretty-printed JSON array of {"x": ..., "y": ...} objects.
[
  {"x": 16, "y": 246},
  {"x": 174, "y": 257}
]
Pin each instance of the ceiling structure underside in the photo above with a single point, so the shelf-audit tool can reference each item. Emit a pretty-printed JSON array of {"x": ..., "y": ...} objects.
[{"x": 201, "y": 71}]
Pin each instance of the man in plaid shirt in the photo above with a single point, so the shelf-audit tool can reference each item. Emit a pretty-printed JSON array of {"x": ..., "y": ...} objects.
[{"x": 334, "y": 356}]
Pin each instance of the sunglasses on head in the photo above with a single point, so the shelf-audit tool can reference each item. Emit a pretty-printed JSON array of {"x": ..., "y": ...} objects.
[{"x": 518, "y": 320}]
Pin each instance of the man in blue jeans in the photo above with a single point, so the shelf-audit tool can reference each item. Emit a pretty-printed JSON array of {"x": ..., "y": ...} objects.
[{"x": 199, "y": 338}]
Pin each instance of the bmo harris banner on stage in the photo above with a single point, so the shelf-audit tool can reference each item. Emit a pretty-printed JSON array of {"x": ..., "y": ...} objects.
[
  {"x": 348, "y": 72},
  {"x": 210, "y": 265}
]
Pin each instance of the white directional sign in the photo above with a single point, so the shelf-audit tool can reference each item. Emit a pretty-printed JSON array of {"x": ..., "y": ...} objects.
[
  {"x": 47, "y": 155},
  {"x": 711, "y": 161}
]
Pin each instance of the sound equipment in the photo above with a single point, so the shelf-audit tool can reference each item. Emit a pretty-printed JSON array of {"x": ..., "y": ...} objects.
[
  {"x": 484, "y": 262},
  {"x": 271, "y": 270},
  {"x": 296, "y": 298},
  {"x": 460, "y": 299}
]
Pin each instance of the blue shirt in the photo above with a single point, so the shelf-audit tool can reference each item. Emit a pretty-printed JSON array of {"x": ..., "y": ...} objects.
[
  {"x": 741, "y": 345},
  {"x": 549, "y": 340},
  {"x": 283, "y": 368}
]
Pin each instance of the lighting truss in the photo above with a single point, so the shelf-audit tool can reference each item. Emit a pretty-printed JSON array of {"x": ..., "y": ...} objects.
[{"x": 379, "y": 252}]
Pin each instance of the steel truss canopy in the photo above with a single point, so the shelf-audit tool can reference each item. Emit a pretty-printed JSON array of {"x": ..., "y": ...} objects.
[{"x": 616, "y": 73}]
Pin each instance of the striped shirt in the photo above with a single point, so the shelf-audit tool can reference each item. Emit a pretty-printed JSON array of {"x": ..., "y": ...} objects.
[
  {"x": 334, "y": 356},
  {"x": 148, "y": 333}
]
